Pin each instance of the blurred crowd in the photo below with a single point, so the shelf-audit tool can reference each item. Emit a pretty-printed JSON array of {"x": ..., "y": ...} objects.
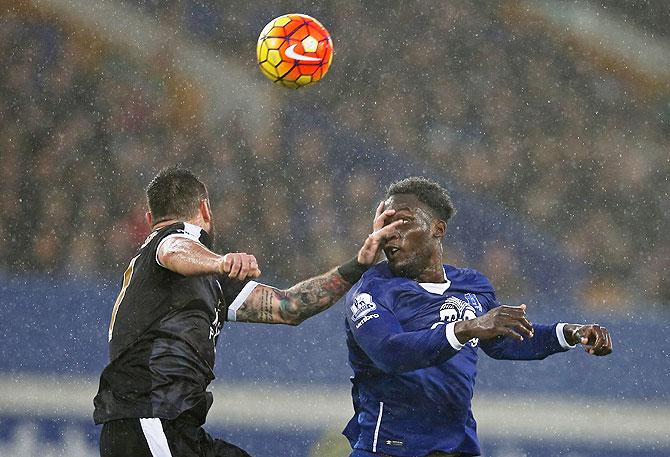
[{"x": 497, "y": 107}]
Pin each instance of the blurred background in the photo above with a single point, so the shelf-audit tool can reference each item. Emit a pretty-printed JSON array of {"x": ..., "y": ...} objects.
[{"x": 548, "y": 121}]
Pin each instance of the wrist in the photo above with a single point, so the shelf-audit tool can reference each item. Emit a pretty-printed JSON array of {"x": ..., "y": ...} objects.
[
  {"x": 352, "y": 270},
  {"x": 464, "y": 331},
  {"x": 570, "y": 334},
  {"x": 221, "y": 264}
]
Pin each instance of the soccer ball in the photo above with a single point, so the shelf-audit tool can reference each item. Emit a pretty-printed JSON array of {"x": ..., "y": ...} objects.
[{"x": 294, "y": 50}]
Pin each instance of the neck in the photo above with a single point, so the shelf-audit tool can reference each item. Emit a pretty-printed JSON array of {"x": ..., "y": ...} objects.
[
  {"x": 165, "y": 222},
  {"x": 434, "y": 273}
]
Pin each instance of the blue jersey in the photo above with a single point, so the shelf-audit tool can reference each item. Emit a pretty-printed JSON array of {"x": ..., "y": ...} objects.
[{"x": 413, "y": 380}]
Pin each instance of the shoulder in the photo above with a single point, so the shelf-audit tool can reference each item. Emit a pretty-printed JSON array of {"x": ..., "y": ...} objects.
[
  {"x": 469, "y": 278},
  {"x": 375, "y": 283},
  {"x": 377, "y": 279},
  {"x": 377, "y": 272},
  {"x": 182, "y": 230}
]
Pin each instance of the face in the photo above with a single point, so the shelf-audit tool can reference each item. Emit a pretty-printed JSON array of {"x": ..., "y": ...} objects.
[{"x": 418, "y": 241}]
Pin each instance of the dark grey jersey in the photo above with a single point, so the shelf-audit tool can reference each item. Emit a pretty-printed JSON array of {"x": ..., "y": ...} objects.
[{"x": 162, "y": 335}]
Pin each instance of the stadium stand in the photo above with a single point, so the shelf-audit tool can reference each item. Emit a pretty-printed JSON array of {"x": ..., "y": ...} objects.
[{"x": 510, "y": 116}]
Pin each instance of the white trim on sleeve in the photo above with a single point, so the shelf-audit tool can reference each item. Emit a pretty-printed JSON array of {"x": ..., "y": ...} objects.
[
  {"x": 451, "y": 336},
  {"x": 561, "y": 336},
  {"x": 155, "y": 436},
  {"x": 239, "y": 300}
]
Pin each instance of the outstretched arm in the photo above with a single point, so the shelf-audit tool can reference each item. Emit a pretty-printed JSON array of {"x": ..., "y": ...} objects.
[
  {"x": 267, "y": 304},
  {"x": 506, "y": 333}
]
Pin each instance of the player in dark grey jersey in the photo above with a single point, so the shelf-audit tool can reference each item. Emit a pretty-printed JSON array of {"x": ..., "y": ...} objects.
[{"x": 175, "y": 296}]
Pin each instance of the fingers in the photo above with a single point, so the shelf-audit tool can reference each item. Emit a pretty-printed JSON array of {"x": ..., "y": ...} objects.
[
  {"x": 517, "y": 319},
  {"x": 254, "y": 270},
  {"x": 227, "y": 263},
  {"x": 379, "y": 210},
  {"x": 386, "y": 232},
  {"x": 610, "y": 344},
  {"x": 240, "y": 265},
  {"x": 369, "y": 253},
  {"x": 235, "y": 265},
  {"x": 511, "y": 333},
  {"x": 522, "y": 329},
  {"x": 600, "y": 339},
  {"x": 509, "y": 321},
  {"x": 381, "y": 232},
  {"x": 602, "y": 342},
  {"x": 596, "y": 339},
  {"x": 381, "y": 217},
  {"x": 526, "y": 327}
]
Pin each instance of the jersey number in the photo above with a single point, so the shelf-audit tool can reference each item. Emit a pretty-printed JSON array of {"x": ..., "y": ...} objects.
[{"x": 127, "y": 276}]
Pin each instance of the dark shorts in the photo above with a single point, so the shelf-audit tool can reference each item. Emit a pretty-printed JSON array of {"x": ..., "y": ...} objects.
[{"x": 161, "y": 438}]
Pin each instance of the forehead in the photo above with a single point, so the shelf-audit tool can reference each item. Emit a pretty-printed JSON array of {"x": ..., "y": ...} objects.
[{"x": 407, "y": 202}]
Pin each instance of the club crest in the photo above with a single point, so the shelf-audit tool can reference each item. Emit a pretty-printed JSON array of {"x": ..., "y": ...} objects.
[{"x": 362, "y": 305}]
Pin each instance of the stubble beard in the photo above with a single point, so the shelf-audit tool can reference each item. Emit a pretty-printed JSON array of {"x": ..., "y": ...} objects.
[{"x": 411, "y": 268}]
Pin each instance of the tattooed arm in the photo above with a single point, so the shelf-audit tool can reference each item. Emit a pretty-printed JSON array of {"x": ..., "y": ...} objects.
[
  {"x": 292, "y": 306},
  {"x": 269, "y": 305}
]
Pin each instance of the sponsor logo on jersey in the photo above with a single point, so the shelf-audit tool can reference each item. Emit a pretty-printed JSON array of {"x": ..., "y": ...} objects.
[
  {"x": 454, "y": 309},
  {"x": 362, "y": 305},
  {"x": 367, "y": 318}
]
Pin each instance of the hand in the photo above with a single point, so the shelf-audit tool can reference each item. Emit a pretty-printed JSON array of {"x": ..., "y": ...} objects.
[
  {"x": 596, "y": 339},
  {"x": 500, "y": 321},
  {"x": 240, "y": 265},
  {"x": 369, "y": 253}
]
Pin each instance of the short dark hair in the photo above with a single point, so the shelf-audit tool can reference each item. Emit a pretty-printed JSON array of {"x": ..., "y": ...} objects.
[
  {"x": 427, "y": 192},
  {"x": 175, "y": 193}
]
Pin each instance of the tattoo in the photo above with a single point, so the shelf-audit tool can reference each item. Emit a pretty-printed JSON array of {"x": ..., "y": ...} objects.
[
  {"x": 292, "y": 306},
  {"x": 311, "y": 296},
  {"x": 267, "y": 298}
]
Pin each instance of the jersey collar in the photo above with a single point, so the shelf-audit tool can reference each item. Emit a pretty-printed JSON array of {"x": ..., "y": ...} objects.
[{"x": 437, "y": 287}]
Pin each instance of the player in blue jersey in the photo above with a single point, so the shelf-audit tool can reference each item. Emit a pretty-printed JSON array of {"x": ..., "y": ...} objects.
[{"x": 414, "y": 327}]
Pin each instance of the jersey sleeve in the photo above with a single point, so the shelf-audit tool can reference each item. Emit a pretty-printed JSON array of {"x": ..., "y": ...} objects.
[
  {"x": 546, "y": 340},
  {"x": 379, "y": 334},
  {"x": 234, "y": 294},
  {"x": 181, "y": 230}
]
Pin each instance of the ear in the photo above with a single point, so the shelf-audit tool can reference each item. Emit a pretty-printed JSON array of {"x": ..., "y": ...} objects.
[
  {"x": 205, "y": 210},
  {"x": 149, "y": 218},
  {"x": 439, "y": 228}
]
